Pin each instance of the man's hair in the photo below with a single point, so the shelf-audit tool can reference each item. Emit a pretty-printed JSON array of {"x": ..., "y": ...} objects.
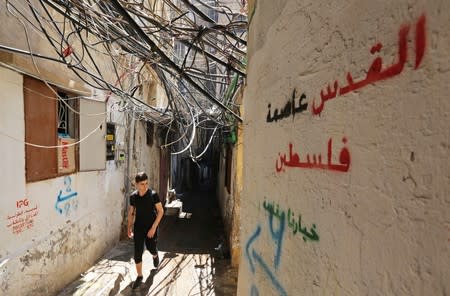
[{"x": 141, "y": 177}]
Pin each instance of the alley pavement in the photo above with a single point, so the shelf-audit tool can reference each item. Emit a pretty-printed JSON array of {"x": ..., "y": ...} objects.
[{"x": 193, "y": 259}]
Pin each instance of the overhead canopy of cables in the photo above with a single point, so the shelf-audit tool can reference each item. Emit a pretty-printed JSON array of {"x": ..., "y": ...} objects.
[{"x": 196, "y": 47}]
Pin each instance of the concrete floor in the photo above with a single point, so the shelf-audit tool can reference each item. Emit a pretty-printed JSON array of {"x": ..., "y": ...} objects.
[{"x": 190, "y": 262}]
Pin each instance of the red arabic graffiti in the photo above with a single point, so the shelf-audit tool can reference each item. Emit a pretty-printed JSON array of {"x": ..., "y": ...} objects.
[
  {"x": 22, "y": 219},
  {"x": 316, "y": 161},
  {"x": 375, "y": 72}
]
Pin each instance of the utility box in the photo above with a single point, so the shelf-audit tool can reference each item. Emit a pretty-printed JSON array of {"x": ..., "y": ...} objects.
[{"x": 110, "y": 141}]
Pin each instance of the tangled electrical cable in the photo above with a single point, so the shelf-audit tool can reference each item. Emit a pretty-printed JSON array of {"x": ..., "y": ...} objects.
[{"x": 196, "y": 47}]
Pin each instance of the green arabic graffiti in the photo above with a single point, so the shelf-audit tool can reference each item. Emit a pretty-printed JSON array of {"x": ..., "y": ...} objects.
[{"x": 294, "y": 223}]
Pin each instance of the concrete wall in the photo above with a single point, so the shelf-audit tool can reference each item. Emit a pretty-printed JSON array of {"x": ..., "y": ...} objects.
[
  {"x": 230, "y": 202},
  {"x": 371, "y": 216},
  {"x": 146, "y": 158},
  {"x": 48, "y": 240},
  {"x": 227, "y": 202}
]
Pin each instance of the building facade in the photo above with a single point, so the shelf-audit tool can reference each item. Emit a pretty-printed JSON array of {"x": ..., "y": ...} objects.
[
  {"x": 346, "y": 156},
  {"x": 71, "y": 151}
]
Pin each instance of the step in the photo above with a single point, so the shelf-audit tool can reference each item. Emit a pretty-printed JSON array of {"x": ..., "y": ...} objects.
[{"x": 174, "y": 208}]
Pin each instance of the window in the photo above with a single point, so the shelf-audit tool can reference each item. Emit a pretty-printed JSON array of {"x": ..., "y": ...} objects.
[
  {"x": 240, "y": 31},
  {"x": 49, "y": 122},
  {"x": 211, "y": 86},
  {"x": 179, "y": 52},
  {"x": 67, "y": 121},
  {"x": 212, "y": 13},
  {"x": 149, "y": 130}
]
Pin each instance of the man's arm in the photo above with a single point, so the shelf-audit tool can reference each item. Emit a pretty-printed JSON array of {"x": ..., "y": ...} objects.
[
  {"x": 159, "y": 215},
  {"x": 131, "y": 210}
]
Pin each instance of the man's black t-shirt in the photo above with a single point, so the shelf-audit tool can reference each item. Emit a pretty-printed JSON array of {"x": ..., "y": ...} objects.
[{"x": 145, "y": 208}]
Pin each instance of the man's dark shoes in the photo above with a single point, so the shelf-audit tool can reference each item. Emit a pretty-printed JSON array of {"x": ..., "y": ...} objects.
[
  {"x": 137, "y": 282},
  {"x": 156, "y": 261}
]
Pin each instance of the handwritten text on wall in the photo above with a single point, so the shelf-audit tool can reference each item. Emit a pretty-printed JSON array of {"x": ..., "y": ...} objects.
[{"x": 23, "y": 218}]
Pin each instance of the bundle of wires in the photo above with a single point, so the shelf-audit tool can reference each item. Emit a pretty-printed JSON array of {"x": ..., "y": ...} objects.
[{"x": 197, "y": 48}]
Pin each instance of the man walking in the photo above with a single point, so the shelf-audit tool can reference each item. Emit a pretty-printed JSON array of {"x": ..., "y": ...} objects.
[{"x": 146, "y": 212}]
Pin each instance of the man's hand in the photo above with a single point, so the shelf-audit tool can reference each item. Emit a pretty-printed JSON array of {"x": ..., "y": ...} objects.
[
  {"x": 151, "y": 232},
  {"x": 131, "y": 211}
]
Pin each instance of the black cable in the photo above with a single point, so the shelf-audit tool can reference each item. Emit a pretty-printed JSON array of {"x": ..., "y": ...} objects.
[
  {"x": 211, "y": 50},
  {"x": 124, "y": 13}
]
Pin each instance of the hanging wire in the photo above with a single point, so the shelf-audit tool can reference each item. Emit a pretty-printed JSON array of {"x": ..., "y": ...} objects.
[{"x": 196, "y": 47}]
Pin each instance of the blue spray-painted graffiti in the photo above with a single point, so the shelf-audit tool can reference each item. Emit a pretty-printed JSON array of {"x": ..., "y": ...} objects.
[
  {"x": 277, "y": 236},
  {"x": 247, "y": 247},
  {"x": 67, "y": 198},
  {"x": 276, "y": 230},
  {"x": 269, "y": 273},
  {"x": 253, "y": 257}
]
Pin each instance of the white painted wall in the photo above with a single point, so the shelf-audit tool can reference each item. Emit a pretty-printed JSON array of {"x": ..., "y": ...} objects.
[
  {"x": 61, "y": 238},
  {"x": 383, "y": 226},
  {"x": 12, "y": 122}
]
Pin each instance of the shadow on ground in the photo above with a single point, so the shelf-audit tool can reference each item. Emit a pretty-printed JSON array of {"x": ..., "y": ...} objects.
[{"x": 191, "y": 261}]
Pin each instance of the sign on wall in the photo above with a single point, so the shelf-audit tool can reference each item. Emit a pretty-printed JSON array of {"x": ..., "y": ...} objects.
[{"x": 66, "y": 155}]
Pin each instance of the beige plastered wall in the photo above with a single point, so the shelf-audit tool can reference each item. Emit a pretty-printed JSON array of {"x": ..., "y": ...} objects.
[
  {"x": 374, "y": 219},
  {"x": 146, "y": 157}
]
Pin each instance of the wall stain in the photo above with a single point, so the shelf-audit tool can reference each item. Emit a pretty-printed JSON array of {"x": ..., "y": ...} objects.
[{"x": 63, "y": 242}]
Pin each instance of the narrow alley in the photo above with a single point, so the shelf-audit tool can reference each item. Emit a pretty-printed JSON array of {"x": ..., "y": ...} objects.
[
  {"x": 194, "y": 259},
  {"x": 292, "y": 147}
]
